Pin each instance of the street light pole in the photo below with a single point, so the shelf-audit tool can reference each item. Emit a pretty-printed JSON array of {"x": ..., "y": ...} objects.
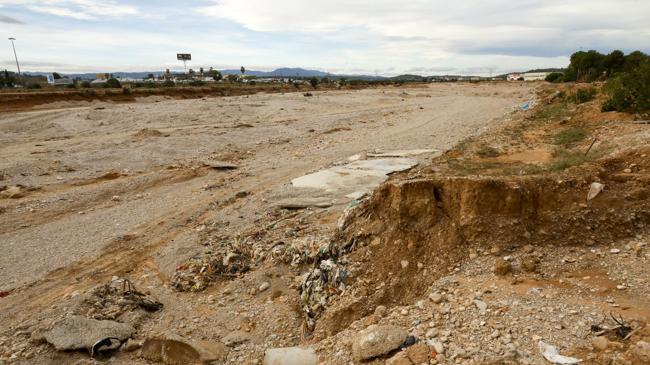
[{"x": 12, "y": 39}]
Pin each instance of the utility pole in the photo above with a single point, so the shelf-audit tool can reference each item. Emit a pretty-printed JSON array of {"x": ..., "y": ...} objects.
[{"x": 12, "y": 39}]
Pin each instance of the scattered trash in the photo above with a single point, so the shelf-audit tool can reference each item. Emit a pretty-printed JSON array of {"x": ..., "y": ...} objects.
[
  {"x": 104, "y": 345},
  {"x": 326, "y": 279},
  {"x": 303, "y": 203},
  {"x": 525, "y": 106},
  {"x": 110, "y": 300},
  {"x": 203, "y": 269},
  {"x": 308, "y": 94},
  {"x": 551, "y": 354},
  {"x": 594, "y": 190}
]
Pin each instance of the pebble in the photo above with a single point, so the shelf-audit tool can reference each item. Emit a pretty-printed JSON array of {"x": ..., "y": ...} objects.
[
  {"x": 436, "y": 298},
  {"x": 265, "y": 285},
  {"x": 600, "y": 343}
]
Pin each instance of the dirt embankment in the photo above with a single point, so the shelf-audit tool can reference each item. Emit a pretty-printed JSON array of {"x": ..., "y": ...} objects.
[{"x": 26, "y": 100}]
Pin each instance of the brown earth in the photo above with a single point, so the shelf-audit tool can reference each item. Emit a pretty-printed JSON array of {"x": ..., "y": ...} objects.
[
  {"x": 127, "y": 190},
  {"x": 481, "y": 252}
]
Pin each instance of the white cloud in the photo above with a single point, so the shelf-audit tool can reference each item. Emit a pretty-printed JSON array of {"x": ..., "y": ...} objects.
[
  {"x": 453, "y": 26},
  {"x": 76, "y": 9}
]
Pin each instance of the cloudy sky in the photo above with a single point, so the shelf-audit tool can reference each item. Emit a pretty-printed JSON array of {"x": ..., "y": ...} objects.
[{"x": 384, "y": 37}]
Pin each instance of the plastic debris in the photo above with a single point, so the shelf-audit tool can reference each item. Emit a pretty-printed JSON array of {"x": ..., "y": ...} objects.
[
  {"x": 324, "y": 281},
  {"x": 551, "y": 354},
  {"x": 594, "y": 190}
]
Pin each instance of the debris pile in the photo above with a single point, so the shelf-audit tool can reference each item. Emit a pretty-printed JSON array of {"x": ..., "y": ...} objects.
[
  {"x": 319, "y": 285},
  {"x": 202, "y": 270},
  {"x": 109, "y": 301}
]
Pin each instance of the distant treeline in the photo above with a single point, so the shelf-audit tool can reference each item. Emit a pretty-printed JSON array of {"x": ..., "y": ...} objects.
[{"x": 627, "y": 78}]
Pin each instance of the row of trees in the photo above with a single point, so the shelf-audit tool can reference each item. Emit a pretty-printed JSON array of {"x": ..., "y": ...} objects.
[
  {"x": 594, "y": 66},
  {"x": 627, "y": 78}
]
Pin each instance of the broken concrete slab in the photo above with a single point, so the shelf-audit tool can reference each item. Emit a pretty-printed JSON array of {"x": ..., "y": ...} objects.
[
  {"x": 401, "y": 153},
  {"x": 290, "y": 356},
  {"x": 76, "y": 332},
  {"x": 357, "y": 176},
  {"x": 172, "y": 349}
]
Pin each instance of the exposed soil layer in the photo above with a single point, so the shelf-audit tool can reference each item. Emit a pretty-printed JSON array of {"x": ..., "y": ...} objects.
[{"x": 435, "y": 222}]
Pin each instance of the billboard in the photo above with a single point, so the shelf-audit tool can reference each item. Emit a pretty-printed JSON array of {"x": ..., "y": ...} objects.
[{"x": 184, "y": 56}]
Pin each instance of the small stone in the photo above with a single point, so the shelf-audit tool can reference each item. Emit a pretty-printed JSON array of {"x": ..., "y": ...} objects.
[
  {"x": 404, "y": 312},
  {"x": 481, "y": 305},
  {"x": 529, "y": 264},
  {"x": 641, "y": 352},
  {"x": 502, "y": 267},
  {"x": 265, "y": 285},
  {"x": 437, "y": 346},
  {"x": 404, "y": 264},
  {"x": 376, "y": 341},
  {"x": 116, "y": 198},
  {"x": 615, "y": 250},
  {"x": 600, "y": 343},
  {"x": 380, "y": 311},
  {"x": 436, "y": 298}
]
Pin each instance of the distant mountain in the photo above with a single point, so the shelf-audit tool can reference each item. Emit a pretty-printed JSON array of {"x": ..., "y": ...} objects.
[{"x": 281, "y": 72}]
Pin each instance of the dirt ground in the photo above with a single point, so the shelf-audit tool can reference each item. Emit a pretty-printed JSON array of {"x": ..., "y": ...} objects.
[
  {"x": 102, "y": 190},
  {"x": 483, "y": 250}
]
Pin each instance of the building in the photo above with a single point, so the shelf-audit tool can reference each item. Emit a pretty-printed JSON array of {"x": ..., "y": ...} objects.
[
  {"x": 535, "y": 76},
  {"x": 515, "y": 76},
  {"x": 59, "y": 81}
]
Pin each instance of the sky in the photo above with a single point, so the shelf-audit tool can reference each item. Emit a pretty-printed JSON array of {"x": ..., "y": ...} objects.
[{"x": 378, "y": 37}]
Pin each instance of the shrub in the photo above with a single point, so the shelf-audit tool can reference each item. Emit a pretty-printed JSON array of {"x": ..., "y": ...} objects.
[
  {"x": 168, "y": 83},
  {"x": 126, "y": 91},
  {"x": 314, "y": 82},
  {"x": 570, "y": 135},
  {"x": 630, "y": 92},
  {"x": 563, "y": 159},
  {"x": 197, "y": 83},
  {"x": 554, "y": 77},
  {"x": 487, "y": 151},
  {"x": 112, "y": 83},
  {"x": 584, "y": 95},
  {"x": 85, "y": 84}
]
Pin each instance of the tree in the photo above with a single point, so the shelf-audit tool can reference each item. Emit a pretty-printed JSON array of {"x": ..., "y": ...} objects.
[
  {"x": 201, "y": 70},
  {"x": 216, "y": 75},
  {"x": 614, "y": 62},
  {"x": 56, "y": 76},
  {"x": 243, "y": 70},
  {"x": 630, "y": 92},
  {"x": 112, "y": 83},
  {"x": 634, "y": 60},
  {"x": 151, "y": 76},
  {"x": 314, "y": 82}
]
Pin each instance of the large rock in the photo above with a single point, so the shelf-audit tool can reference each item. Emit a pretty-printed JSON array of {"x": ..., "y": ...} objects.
[
  {"x": 290, "y": 356},
  {"x": 641, "y": 352},
  {"x": 377, "y": 340},
  {"x": 175, "y": 350},
  {"x": 76, "y": 332}
]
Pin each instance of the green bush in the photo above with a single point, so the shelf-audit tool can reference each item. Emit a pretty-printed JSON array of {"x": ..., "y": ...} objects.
[
  {"x": 487, "y": 151},
  {"x": 584, "y": 95},
  {"x": 168, "y": 83},
  {"x": 197, "y": 83},
  {"x": 85, "y": 84},
  {"x": 630, "y": 92},
  {"x": 112, "y": 83},
  {"x": 570, "y": 135},
  {"x": 563, "y": 159},
  {"x": 555, "y": 77}
]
